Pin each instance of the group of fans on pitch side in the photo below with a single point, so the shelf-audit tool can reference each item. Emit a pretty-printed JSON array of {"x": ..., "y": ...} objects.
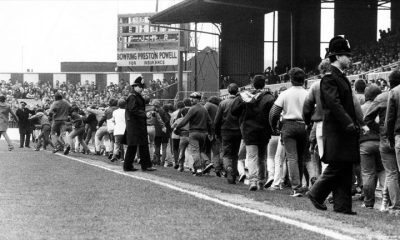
[{"x": 306, "y": 140}]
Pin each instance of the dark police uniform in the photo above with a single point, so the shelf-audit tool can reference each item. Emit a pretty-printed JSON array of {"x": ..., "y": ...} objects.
[
  {"x": 24, "y": 125},
  {"x": 341, "y": 143},
  {"x": 136, "y": 132}
]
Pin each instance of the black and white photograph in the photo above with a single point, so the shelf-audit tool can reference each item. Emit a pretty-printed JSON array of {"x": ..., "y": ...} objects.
[{"x": 199, "y": 119}]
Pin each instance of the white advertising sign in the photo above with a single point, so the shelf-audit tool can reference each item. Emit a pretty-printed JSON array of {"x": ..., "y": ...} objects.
[
  {"x": 147, "y": 58},
  {"x": 31, "y": 77}
]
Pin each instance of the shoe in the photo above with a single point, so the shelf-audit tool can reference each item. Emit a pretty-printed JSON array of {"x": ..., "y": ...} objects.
[
  {"x": 97, "y": 153},
  {"x": 242, "y": 177},
  {"x": 268, "y": 183},
  {"x": 176, "y": 166},
  {"x": 198, "y": 173},
  {"x": 180, "y": 169},
  {"x": 367, "y": 206},
  {"x": 231, "y": 178},
  {"x": 317, "y": 205},
  {"x": 274, "y": 188},
  {"x": 253, "y": 186},
  {"x": 148, "y": 169},
  {"x": 296, "y": 193},
  {"x": 10, "y": 148},
  {"x": 218, "y": 173},
  {"x": 37, "y": 149},
  {"x": 347, "y": 212},
  {"x": 384, "y": 207},
  {"x": 113, "y": 159},
  {"x": 55, "y": 150},
  {"x": 102, "y": 151},
  {"x": 21, "y": 146},
  {"x": 207, "y": 168},
  {"x": 130, "y": 169},
  {"x": 27, "y": 146},
  {"x": 66, "y": 151},
  {"x": 110, "y": 155},
  {"x": 166, "y": 164}
]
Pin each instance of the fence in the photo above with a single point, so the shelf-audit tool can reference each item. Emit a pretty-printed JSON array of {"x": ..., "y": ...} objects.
[{"x": 185, "y": 94}]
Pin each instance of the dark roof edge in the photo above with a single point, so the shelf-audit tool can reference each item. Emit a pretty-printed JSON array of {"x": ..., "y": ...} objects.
[{"x": 183, "y": 4}]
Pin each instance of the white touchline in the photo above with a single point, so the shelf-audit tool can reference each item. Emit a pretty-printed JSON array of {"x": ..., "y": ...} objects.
[{"x": 306, "y": 226}]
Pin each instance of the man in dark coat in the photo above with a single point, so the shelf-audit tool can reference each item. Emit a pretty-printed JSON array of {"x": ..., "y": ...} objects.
[
  {"x": 24, "y": 124},
  {"x": 252, "y": 108},
  {"x": 340, "y": 133},
  {"x": 136, "y": 129},
  {"x": 199, "y": 129},
  {"x": 227, "y": 129}
]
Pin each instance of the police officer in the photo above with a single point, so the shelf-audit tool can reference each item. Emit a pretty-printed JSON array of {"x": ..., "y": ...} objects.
[
  {"x": 136, "y": 129},
  {"x": 24, "y": 124},
  {"x": 340, "y": 133}
]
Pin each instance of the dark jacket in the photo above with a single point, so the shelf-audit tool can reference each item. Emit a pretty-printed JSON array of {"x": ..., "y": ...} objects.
[
  {"x": 165, "y": 122},
  {"x": 77, "y": 121},
  {"x": 135, "y": 117},
  {"x": 254, "y": 117},
  {"x": 211, "y": 109},
  {"x": 393, "y": 114},
  {"x": 91, "y": 121},
  {"x": 340, "y": 144},
  {"x": 198, "y": 119},
  {"x": 377, "y": 108},
  {"x": 225, "y": 123},
  {"x": 24, "y": 123},
  {"x": 372, "y": 134}
]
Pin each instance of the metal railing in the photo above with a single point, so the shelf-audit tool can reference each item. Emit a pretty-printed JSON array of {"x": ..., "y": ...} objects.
[{"x": 185, "y": 94}]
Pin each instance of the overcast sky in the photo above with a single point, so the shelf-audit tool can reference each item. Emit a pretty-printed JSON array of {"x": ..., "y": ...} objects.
[{"x": 39, "y": 34}]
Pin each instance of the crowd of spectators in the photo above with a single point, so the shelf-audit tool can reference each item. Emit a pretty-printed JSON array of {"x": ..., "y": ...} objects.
[
  {"x": 165, "y": 89},
  {"x": 82, "y": 95},
  {"x": 367, "y": 57},
  {"x": 378, "y": 54}
]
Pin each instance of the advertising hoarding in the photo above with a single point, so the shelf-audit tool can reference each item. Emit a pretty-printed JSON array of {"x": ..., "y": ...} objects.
[{"x": 147, "y": 58}]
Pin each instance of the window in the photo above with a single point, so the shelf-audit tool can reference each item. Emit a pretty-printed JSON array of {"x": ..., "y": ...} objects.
[
  {"x": 124, "y": 20},
  {"x": 383, "y": 18},
  {"x": 125, "y": 29},
  {"x": 270, "y": 40},
  {"x": 327, "y": 25}
]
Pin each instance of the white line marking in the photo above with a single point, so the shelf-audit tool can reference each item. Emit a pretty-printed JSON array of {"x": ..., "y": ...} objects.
[{"x": 285, "y": 220}]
